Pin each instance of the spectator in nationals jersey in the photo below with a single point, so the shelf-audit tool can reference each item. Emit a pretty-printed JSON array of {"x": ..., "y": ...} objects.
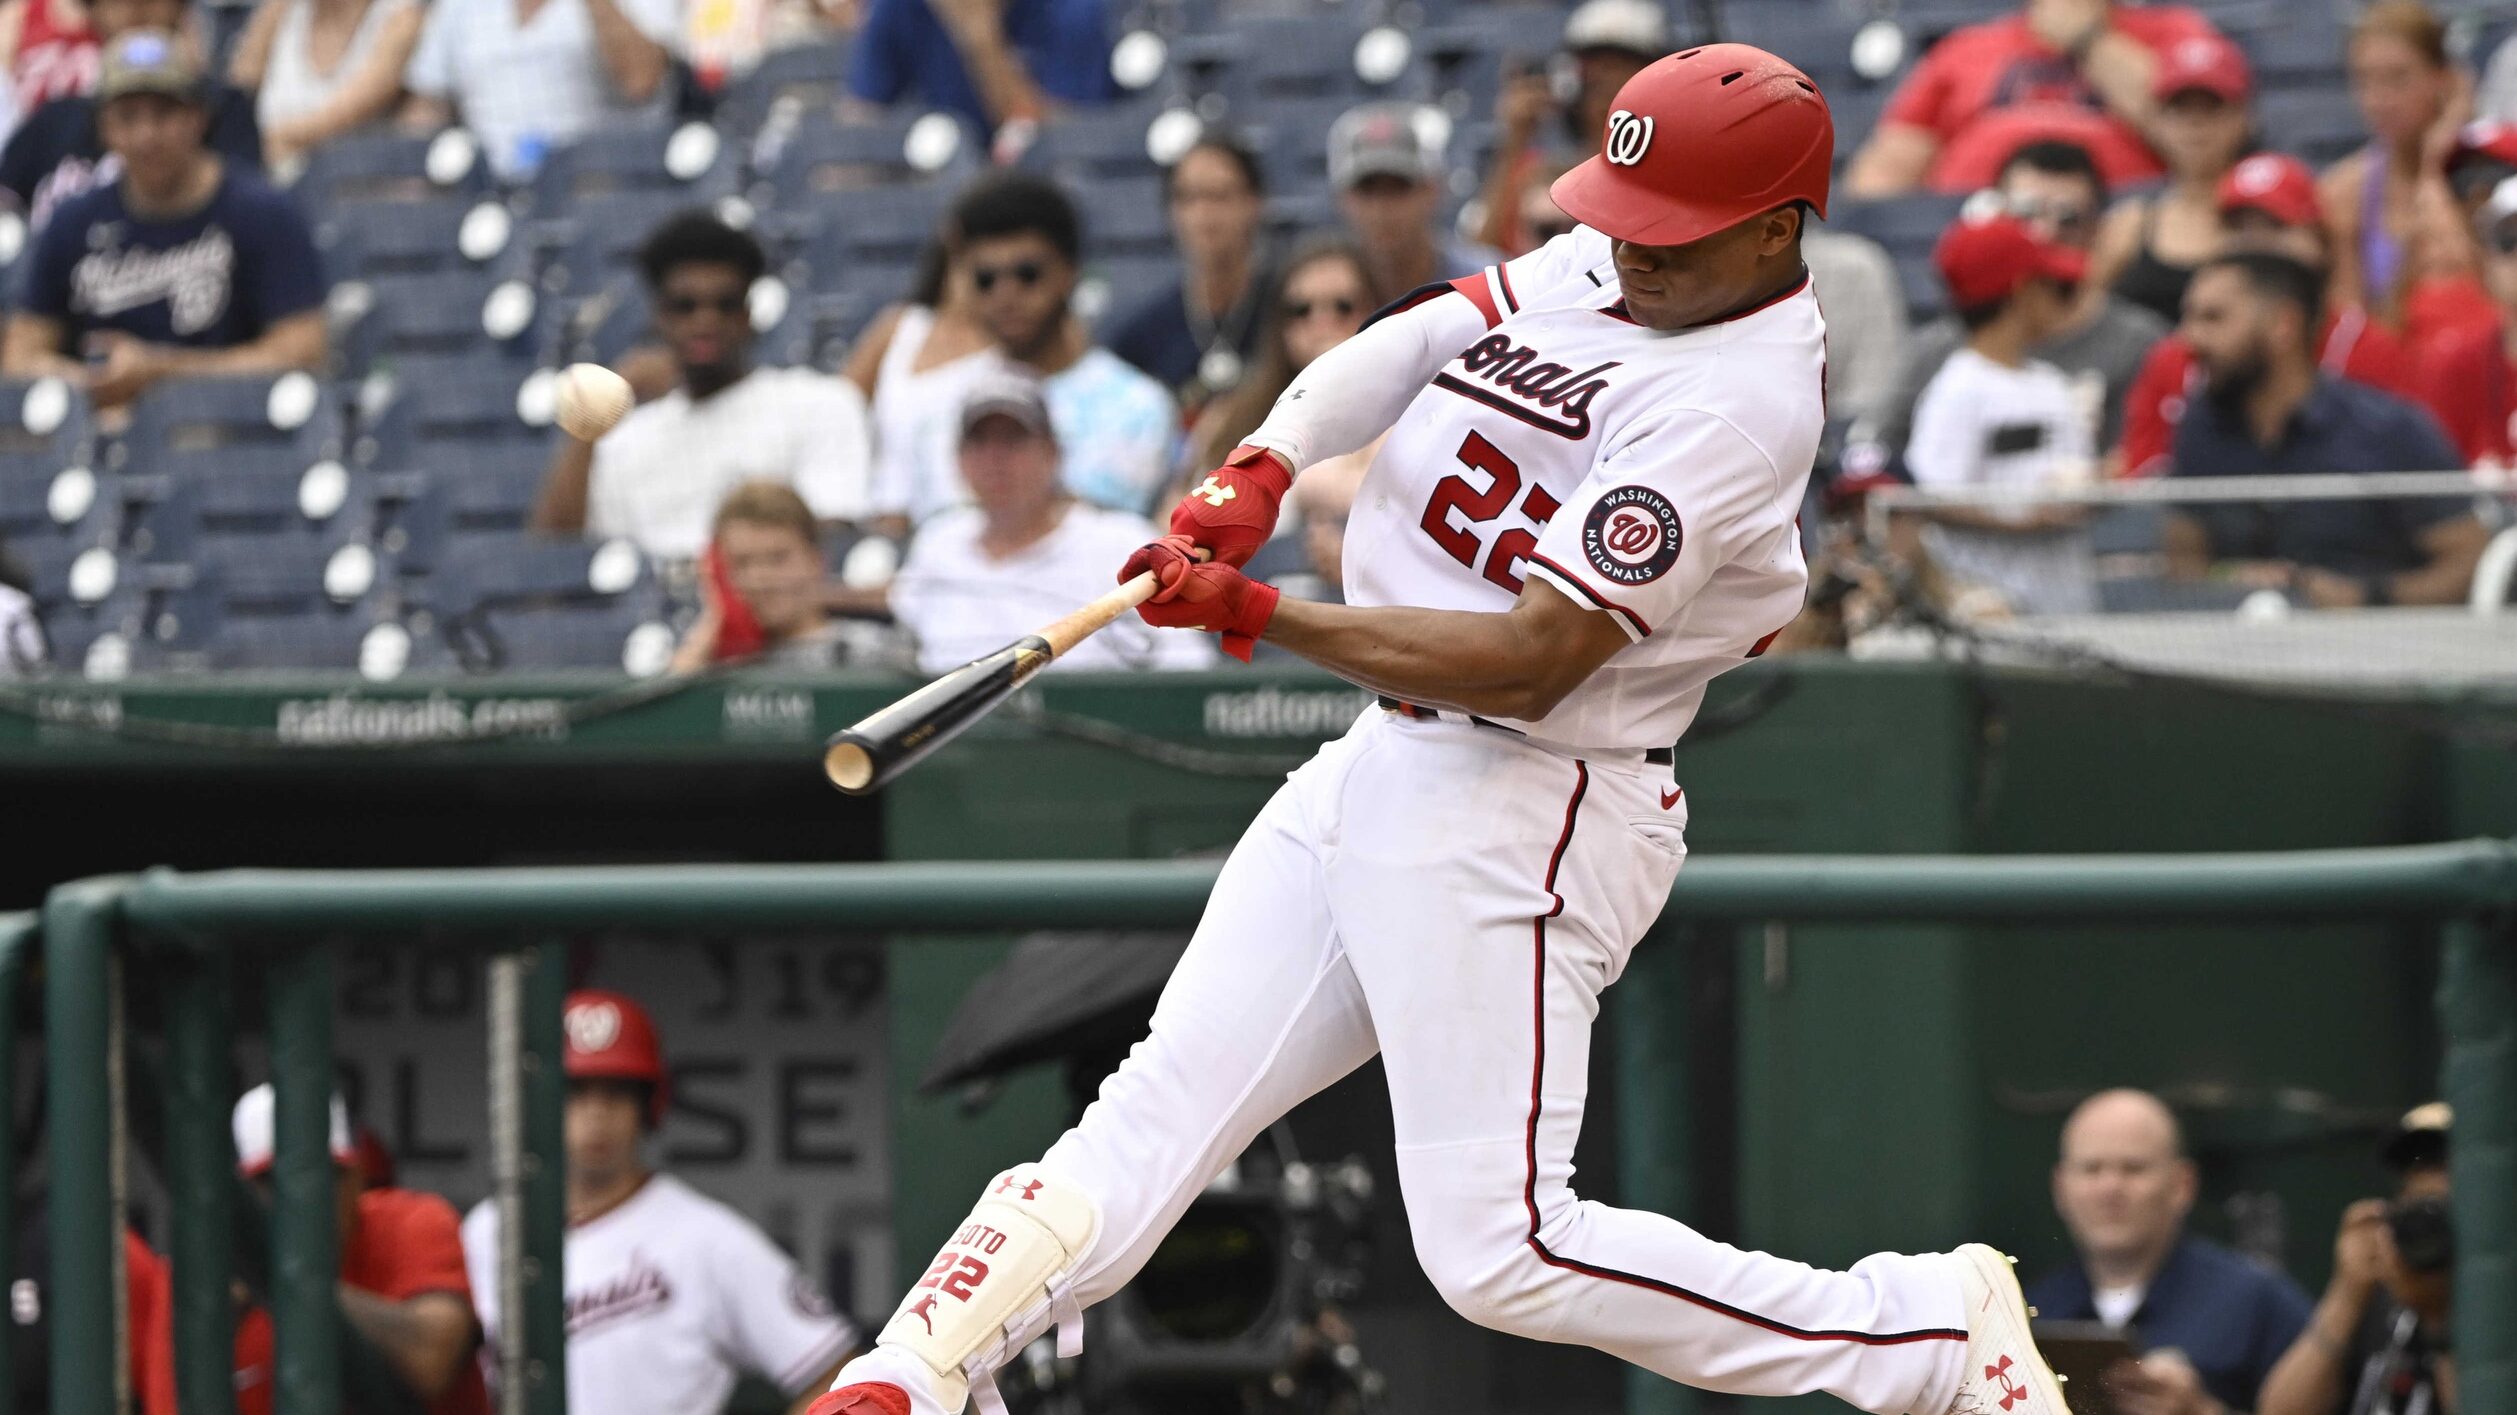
[
  {"x": 1585, "y": 510},
  {"x": 2469, "y": 374},
  {"x": 670, "y": 1294}
]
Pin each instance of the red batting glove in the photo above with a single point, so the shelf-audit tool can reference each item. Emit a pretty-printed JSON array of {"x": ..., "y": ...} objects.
[
  {"x": 1218, "y": 599},
  {"x": 1231, "y": 513},
  {"x": 1158, "y": 558}
]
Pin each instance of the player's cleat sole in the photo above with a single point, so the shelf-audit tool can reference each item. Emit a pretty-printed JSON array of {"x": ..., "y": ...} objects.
[
  {"x": 862, "y": 1398},
  {"x": 2004, "y": 1374}
]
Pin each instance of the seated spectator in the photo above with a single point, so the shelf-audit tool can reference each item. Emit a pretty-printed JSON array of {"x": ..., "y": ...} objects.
[
  {"x": 184, "y": 264},
  {"x": 60, "y": 151},
  {"x": 2148, "y": 246},
  {"x": 2468, "y": 374},
  {"x": 2393, "y": 220},
  {"x": 992, "y": 62},
  {"x": 2070, "y": 70},
  {"x": 763, "y": 592},
  {"x": 1199, "y": 333},
  {"x": 1025, "y": 551},
  {"x": 671, "y": 1295},
  {"x": 1018, "y": 244},
  {"x": 48, "y": 51},
  {"x": 1606, "y": 42},
  {"x": 1996, "y": 417},
  {"x": 1857, "y": 285},
  {"x": 2267, "y": 203},
  {"x": 658, "y": 477},
  {"x": 915, "y": 357},
  {"x": 402, "y": 1283},
  {"x": 2056, "y": 190},
  {"x": 1389, "y": 175},
  {"x": 320, "y": 68},
  {"x": 2209, "y": 1322},
  {"x": 2268, "y": 410},
  {"x": 729, "y": 39},
  {"x": 1317, "y": 301},
  {"x": 2381, "y": 1339},
  {"x": 526, "y": 83}
]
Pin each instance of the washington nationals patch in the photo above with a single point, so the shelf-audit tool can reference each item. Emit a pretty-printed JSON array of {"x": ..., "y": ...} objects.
[{"x": 1632, "y": 535}]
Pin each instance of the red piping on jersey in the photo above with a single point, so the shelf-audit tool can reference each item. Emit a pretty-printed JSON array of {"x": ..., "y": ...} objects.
[
  {"x": 1409, "y": 301},
  {"x": 1537, "y": 1084},
  {"x": 1594, "y": 596},
  {"x": 1474, "y": 287}
]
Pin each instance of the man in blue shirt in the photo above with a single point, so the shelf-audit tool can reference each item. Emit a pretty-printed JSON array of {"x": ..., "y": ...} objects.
[
  {"x": 2267, "y": 409},
  {"x": 991, "y": 61},
  {"x": 2210, "y": 1324},
  {"x": 184, "y": 264}
]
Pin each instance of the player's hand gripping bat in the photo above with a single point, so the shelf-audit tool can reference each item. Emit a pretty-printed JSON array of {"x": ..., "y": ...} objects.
[{"x": 864, "y": 758}]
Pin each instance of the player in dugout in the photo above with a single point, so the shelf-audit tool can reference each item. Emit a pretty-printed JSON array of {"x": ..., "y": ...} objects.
[
  {"x": 670, "y": 1295},
  {"x": 1585, "y": 512}
]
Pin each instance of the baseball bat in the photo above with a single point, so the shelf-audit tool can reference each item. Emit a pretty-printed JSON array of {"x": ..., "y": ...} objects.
[{"x": 866, "y": 757}]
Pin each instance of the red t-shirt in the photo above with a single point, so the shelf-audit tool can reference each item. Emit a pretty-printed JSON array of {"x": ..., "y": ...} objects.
[
  {"x": 1978, "y": 72},
  {"x": 406, "y": 1243},
  {"x": 151, "y": 1323},
  {"x": 2468, "y": 379},
  {"x": 2352, "y": 346}
]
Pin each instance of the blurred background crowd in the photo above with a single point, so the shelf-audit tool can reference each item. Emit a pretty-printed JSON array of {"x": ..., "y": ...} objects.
[{"x": 931, "y": 304}]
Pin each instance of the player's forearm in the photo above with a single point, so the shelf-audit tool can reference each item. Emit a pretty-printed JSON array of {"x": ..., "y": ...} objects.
[
  {"x": 635, "y": 64},
  {"x": 2120, "y": 69},
  {"x": 1005, "y": 86},
  {"x": 1486, "y": 664},
  {"x": 426, "y": 1337},
  {"x": 1351, "y": 394},
  {"x": 296, "y": 342}
]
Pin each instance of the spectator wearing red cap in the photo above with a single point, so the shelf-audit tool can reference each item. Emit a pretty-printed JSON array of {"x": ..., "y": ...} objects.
[
  {"x": 2073, "y": 70},
  {"x": 1996, "y": 417},
  {"x": 402, "y": 1285},
  {"x": 2470, "y": 376},
  {"x": 2149, "y": 246},
  {"x": 670, "y": 1295},
  {"x": 2266, "y": 203}
]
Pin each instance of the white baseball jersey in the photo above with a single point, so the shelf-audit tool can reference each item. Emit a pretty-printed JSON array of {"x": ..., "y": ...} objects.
[
  {"x": 1653, "y": 475},
  {"x": 669, "y": 1297}
]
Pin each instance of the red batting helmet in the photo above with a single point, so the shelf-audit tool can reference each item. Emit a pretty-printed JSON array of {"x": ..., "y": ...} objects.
[
  {"x": 1700, "y": 141},
  {"x": 608, "y": 1037}
]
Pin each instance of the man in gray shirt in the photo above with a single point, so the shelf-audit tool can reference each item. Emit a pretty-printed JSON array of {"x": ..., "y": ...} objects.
[{"x": 2056, "y": 189}]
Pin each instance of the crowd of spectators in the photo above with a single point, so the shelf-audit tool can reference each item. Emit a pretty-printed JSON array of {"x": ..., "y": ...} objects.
[{"x": 2113, "y": 153}]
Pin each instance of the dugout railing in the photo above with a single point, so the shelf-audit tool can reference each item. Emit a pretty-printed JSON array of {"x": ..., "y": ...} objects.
[{"x": 190, "y": 926}]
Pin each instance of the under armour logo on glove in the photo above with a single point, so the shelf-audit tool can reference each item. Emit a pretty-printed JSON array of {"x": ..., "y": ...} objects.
[
  {"x": 1214, "y": 492},
  {"x": 1008, "y": 1185},
  {"x": 2011, "y": 1393}
]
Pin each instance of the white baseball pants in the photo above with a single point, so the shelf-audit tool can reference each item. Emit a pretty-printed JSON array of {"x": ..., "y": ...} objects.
[{"x": 1456, "y": 898}]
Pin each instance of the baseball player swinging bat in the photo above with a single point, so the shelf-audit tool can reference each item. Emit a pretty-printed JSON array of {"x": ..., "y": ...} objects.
[{"x": 864, "y": 758}]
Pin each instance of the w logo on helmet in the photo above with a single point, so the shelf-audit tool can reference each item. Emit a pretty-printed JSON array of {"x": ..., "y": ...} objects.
[{"x": 1629, "y": 137}]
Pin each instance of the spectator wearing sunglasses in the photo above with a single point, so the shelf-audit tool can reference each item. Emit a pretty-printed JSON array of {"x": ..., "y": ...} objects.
[
  {"x": 2148, "y": 246},
  {"x": 659, "y": 476},
  {"x": 2054, "y": 187},
  {"x": 1018, "y": 241},
  {"x": 1319, "y": 298},
  {"x": 1198, "y": 333}
]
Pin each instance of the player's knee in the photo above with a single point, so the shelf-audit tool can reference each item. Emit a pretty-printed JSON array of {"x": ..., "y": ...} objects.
[{"x": 1487, "y": 1279}]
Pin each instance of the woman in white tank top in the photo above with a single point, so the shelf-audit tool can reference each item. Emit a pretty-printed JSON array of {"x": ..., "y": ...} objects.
[
  {"x": 916, "y": 363},
  {"x": 320, "y": 68}
]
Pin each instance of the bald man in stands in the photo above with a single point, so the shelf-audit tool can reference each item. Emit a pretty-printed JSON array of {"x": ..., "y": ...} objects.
[{"x": 2208, "y": 1322}]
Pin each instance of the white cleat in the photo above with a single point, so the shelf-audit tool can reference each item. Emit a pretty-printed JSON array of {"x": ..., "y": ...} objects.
[{"x": 2004, "y": 1374}]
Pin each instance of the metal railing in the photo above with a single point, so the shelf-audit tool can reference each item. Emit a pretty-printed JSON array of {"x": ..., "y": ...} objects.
[{"x": 193, "y": 923}]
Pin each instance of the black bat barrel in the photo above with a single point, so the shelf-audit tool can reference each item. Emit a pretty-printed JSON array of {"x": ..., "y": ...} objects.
[{"x": 864, "y": 758}]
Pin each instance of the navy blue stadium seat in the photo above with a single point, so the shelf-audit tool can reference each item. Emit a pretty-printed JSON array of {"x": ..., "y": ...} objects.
[
  {"x": 819, "y": 327},
  {"x": 844, "y": 239},
  {"x": 524, "y": 602},
  {"x": 627, "y": 159},
  {"x": 1088, "y": 144},
  {"x": 805, "y": 78},
  {"x": 232, "y": 416},
  {"x": 30, "y": 461},
  {"x": 378, "y": 166},
  {"x": 445, "y": 402},
  {"x": 1124, "y": 218},
  {"x": 596, "y": 239},
  {"x": 601, "y": 326},
  {"x": 823, "y": 157},
  {"x": 434, "y": 313},
  {"x": 1280, "y": 59},
  {"x": 219, "y": 493},
  {"x": 412, "y": 514},
  {"x": 363, "y": 240}
]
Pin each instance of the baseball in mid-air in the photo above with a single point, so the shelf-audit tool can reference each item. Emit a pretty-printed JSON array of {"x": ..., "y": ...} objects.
[{"x": 590, "y": 399}]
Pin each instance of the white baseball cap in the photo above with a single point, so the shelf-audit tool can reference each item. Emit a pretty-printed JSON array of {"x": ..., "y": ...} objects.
[
  {"x": 1638, "y": 27},
  {"x": 253, "y": 1127}
]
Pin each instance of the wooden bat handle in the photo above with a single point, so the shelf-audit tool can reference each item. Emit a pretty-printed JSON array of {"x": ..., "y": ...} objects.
[{"x": 1066, "y": 633}]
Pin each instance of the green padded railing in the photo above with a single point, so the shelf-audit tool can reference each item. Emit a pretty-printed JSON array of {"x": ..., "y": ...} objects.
[{"x": 2468, "y": 889}]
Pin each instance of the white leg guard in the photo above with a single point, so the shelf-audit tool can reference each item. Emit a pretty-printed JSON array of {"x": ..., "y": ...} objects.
[{"x": 1018, "y": 1247}]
